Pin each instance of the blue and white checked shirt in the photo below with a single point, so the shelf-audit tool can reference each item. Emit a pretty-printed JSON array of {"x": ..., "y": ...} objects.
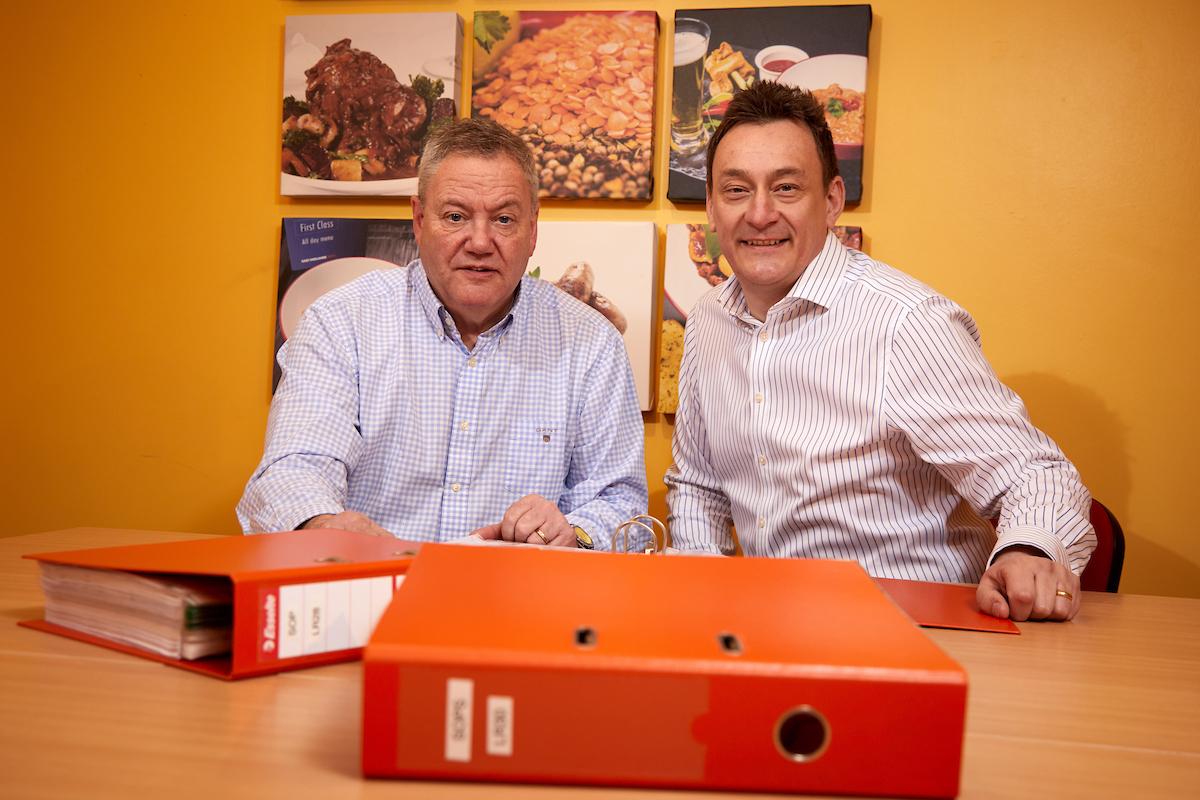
[
  {"x": 853, "y": 423},
  {"x": 382, "y": 410}
]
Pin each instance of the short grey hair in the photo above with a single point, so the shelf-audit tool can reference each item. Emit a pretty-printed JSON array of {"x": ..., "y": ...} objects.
[{"x": 475, "y": 137}]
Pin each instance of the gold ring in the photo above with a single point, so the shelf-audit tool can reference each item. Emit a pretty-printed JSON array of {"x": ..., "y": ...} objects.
[
  {"x": 541, "y": 536},
  {"x": 1064, "y": 593}
]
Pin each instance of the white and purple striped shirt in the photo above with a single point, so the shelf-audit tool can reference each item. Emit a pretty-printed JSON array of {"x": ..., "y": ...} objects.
[
  {"x": 861, "y": 421},
  {"x": 384, "y": 411}
]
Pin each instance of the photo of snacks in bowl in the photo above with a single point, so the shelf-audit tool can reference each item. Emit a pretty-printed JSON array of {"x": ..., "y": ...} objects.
[{"x": 579, "y": 88}]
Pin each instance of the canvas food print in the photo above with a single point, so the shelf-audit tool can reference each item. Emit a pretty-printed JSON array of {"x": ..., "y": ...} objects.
[
  {"x": 578, "y": 87},
  {"x": 361, "y": 93},
  {"x": 717, "y": 53}
]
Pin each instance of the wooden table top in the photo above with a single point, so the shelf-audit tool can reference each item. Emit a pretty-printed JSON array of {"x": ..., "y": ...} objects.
[{"x": 1105, "y": 706}]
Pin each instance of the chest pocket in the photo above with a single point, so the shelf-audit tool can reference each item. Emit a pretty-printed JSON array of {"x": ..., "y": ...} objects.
[{"x": 537, "y": 460}]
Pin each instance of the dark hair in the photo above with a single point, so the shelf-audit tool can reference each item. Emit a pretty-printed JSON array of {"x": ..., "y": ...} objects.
[
  {"x": 475, "y": 137},
  {"x": 767, "y": 101}
]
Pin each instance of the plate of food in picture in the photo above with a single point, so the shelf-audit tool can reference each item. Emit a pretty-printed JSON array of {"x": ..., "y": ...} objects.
[
  {"x": 361, "y": 95},
  {"x": 839, "y": 82},
  {"x": 694, "y": 265}
]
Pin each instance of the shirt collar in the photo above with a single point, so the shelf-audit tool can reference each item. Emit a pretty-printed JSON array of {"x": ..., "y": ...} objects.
[
  {"x": 821, "y": 279},
  {"x": 818, "y": 284}
]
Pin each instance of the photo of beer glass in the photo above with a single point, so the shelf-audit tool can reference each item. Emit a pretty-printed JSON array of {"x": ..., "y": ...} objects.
[{"x": 687, "y": 93}]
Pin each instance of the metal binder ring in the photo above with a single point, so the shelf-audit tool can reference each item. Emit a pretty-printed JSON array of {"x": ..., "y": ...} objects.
[
  {"x": 623, "y": 531},
  {"x": 660, "y": 537}
]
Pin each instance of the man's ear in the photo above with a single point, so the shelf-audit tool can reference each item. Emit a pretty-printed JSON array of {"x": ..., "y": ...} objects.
[
  {"x": 533, "y": 231},
  {"x": 835, "y": 200},
  {"x": 418, "y": 213},
  {"x": 708, "y": 209}
]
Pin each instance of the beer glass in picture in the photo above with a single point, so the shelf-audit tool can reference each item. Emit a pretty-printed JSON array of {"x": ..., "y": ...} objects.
[{"x": 691, "y": 44}]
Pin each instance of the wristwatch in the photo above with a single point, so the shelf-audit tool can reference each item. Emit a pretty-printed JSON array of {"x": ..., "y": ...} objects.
[{"x": 584, "y": 539}]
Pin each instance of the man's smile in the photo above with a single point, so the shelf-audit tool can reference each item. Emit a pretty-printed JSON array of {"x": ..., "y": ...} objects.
[{"x": 761, "y": 242}]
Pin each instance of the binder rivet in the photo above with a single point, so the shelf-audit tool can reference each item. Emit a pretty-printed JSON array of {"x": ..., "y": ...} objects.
[
  {"x": 585, "y": 637},
  {"x": 802, "y": 734},
  {"x": 730, "y": 643}
]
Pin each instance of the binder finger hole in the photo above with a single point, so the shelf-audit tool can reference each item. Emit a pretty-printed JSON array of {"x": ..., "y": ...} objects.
[{"x": 802, "y": 734}]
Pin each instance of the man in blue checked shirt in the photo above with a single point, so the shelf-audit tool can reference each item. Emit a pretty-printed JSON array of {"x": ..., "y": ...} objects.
[{"x": 456, "y": 395}]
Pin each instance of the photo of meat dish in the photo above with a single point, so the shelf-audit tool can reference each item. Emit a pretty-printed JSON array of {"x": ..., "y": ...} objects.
[
  {"x": 361, "y": 94},
  {"x": 358, "y": 122}
]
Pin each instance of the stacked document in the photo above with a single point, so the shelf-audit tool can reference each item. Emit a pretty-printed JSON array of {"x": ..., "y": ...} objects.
[{"x": 178, "y": 616}]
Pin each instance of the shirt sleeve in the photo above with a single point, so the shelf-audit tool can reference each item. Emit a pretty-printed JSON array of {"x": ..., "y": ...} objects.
[
  {"x": 944, "y": 396},
  {"x": 700, "y": 517},
  {"x": 606, "y": 479},
  {"x": 313, "y": 440}
]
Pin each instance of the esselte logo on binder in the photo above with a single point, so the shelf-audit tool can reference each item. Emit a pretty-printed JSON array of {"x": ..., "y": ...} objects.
[
  {"x": 459, "y": 701},
  {"x": 270, "y": 607}
]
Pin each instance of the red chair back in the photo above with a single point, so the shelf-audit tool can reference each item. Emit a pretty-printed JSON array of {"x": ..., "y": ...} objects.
[{"x": 1103, "y": 572}]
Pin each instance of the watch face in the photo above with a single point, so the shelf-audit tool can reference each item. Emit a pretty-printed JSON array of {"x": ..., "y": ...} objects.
[{"x": 583, "y": 539}]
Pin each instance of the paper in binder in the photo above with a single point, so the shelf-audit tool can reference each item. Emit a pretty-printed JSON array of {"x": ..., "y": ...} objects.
[
  {"x": 539, "y": 666},
  {"x": 283, "y": 601}
]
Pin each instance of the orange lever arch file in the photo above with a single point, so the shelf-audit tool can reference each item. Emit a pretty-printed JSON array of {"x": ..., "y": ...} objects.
[
  {"x": 539, "y": 666},
  {"x": 300, "y": 598}
]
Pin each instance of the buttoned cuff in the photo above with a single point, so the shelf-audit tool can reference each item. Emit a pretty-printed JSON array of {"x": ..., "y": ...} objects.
[{"x": 1030, "y": 536}]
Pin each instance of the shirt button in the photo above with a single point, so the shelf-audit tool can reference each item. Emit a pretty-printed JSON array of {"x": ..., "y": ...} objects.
[
  {"x": 758, "y": 398},
  {"x": 762, "y": 336},
  {"x": 762, "y": 522},
  {"x": 454, "y": 487},
  {"x": 472, "y": 361},
  {"x": 762, "y": 460},
  {"x": 464, "y": 425}
]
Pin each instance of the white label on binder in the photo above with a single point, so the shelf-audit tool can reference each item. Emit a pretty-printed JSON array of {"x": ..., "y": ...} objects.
[
  {"x": 291, "y": 609},
  {"x": 360, "y": 612},
  {"x": 499, "y": 725},
  {"x": 337, "y": 620},
  {"x": 460, "y": 694},
  {"x": 381, "y": 596},
  {"x": 314, "y": 620}
]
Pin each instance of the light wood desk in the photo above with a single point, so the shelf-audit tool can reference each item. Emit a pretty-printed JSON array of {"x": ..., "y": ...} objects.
[{"x": 1105, "y": 706}]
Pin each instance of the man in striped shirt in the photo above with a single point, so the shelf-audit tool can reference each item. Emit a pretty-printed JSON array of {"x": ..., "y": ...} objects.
[
  {"x": 833, "y": 407},
  {"x": 455, "y": 395}
]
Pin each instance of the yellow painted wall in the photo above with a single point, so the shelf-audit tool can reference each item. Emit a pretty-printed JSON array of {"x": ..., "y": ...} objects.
[{"x": 1036, "y": 160}]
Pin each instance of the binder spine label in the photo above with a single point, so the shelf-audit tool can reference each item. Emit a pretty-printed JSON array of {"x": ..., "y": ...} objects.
[
  {"x": 499, "y": 725},
  {"x": 459, "y": 701},
  {"x": 304, "y": 619}
]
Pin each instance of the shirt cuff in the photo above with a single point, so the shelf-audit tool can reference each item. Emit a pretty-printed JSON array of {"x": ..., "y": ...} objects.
[
  {"x": 1030, "y": 536},
  {"x": 298, "y": 515}
]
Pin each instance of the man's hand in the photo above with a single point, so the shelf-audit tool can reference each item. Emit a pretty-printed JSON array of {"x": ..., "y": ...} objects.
[
  {"x": 347, "y": 521},
  {"x": 1023, "y": 583},
  {"x": 532, "y": 519}
]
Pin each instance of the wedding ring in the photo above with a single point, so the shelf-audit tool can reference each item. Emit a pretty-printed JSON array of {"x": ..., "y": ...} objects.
[
  {"x": 541, "y": 536},
  {"x": 1064, "y": 593}
]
